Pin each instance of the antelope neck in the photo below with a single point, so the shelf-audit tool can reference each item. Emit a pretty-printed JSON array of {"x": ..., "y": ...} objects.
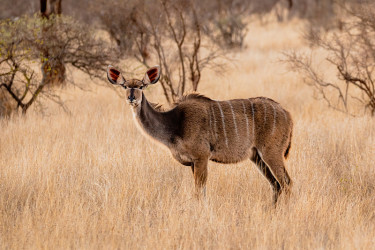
[{"x": 158, "y": 125}]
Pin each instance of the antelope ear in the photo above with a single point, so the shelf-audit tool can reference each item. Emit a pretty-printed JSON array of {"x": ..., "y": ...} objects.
[
  {"x": 114, "y": 76},
  {"x": 152, "y": 75}
]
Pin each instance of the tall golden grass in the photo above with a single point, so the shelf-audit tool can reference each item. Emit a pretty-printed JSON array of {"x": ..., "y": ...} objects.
[{"x": 90, "y": 180}]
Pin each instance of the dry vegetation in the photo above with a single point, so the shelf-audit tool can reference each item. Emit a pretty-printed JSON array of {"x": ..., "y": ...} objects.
[{"x": 91, "y": 180}]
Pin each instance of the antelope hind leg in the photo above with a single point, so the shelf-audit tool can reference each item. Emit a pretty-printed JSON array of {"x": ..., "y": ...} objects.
[
  {"x": 264, "y": 169},
  {"x": 275, "y": 162},
  {"x": 200, "y": 176}
]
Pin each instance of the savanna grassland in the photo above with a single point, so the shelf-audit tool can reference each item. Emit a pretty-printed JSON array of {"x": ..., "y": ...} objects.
[{"x": 90, "y": 180}]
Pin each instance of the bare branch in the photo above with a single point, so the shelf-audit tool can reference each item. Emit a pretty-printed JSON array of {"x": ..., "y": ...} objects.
[{"x": 351, "y": 51}]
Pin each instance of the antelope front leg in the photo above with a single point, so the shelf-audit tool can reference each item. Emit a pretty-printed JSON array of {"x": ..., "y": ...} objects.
[{"x": 200, "y": 176}]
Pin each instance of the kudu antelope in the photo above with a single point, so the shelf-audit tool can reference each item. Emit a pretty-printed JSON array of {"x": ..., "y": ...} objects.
[{"x": 198, "y": 129}]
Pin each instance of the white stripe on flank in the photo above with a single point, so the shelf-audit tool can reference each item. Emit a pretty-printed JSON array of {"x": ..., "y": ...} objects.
[
  {"x": 223, "y": 120},
  {"x": 286, "y": 119},
  {"x": 210, "y": 122},
  {"x": 265, "y": 112},
  {"x": 234, "y": 118},
  {"x": 247, "y": 119},
  {"x": 253, "y": 115},
  {"x": 213, "y": 114},
  {"x": 274, "y": 118}
]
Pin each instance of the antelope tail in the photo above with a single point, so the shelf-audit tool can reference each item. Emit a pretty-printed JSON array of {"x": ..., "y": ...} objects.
[{"x": 286, "y": 154}]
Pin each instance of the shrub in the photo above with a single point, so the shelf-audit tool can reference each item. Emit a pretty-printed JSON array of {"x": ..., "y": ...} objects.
[
  {"x": 351, "y": 50},
  {"x": 48, "y": 44},
  {"x": 166, "y": 32}
]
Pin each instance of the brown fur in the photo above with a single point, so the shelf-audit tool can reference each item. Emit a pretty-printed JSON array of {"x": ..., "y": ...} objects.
[
  {"x": 198, "y": 129},
  {"x": 187, "y": 132}
]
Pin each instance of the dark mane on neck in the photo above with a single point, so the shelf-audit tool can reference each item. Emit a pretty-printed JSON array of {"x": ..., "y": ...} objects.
[
  {"x": 193, "y": 96},
  {"x": 265, "y": 98},
  {"x": 157, "y": 107}
]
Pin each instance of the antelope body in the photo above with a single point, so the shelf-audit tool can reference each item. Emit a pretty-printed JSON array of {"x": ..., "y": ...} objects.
[{"x": 198, "y": 129}]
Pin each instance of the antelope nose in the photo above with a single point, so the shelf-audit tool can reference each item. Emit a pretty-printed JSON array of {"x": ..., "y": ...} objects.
[{"x": 131, "y": 98}]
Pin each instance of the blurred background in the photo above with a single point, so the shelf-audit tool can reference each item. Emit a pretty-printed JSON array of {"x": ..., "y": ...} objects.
[
  {"x": 76, "y": 173},
  {"x": 40, "y": 40}
]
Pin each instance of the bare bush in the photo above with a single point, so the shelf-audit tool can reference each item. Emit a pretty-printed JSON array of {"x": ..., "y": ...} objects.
[
  {"x": 165, "y": 32},
  {"x": 5, "y": 104},
  {"x": 30, "y": 43},
  {"x": 232, "y": 29},
  {"x": 351, "y": 51},
  {"x": 227, "y": 21},
  {"x": 123, "y": 21},
  {"x": 321, "y": 13},
  {"x": 16, "y": 8},
  {"x": 50, "y": 7},
  {"x": 180, "y": 55}
]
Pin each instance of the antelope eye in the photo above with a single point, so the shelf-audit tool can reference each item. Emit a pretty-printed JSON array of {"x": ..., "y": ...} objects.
[
  {"x": 124, "y": 87},
  {"x": 141, "y": 87}
]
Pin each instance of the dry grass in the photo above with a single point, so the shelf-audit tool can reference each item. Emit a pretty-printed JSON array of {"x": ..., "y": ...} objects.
[{"x": 90, "y": 180}]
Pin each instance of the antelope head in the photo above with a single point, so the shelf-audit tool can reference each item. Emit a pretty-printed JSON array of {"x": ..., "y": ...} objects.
[{"x": 133, "y": 87}]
